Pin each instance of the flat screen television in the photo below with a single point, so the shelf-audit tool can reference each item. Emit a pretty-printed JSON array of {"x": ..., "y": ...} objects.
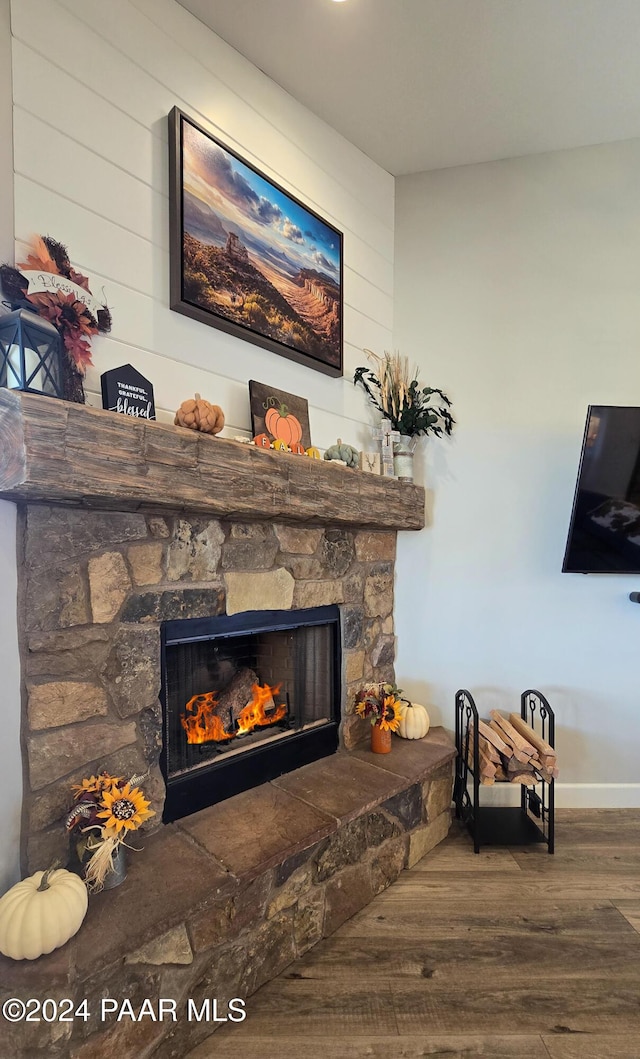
[{"x": 604, "y": 533}]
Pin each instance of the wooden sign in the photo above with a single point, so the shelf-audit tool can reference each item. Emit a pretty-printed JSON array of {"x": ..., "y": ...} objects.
[
  {"x": 126, "y": 391},
  {"x": 280, "y": 416}
]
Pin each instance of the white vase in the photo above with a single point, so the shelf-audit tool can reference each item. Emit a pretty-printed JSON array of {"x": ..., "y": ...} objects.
[{"x": 403, "y": 450}]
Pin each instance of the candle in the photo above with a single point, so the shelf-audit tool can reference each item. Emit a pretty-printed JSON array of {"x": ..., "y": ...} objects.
[{"x": 15, "y": 380}]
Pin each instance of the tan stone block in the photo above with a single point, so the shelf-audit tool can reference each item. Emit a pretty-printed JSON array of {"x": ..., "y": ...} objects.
[
  {"x": 354, "y": 665},
  {"x": 145, "y": 561},
  {"x": 195, "y": 552},
  {"x": 308, "y": 920},
  {"x": 298, "y": 540},
  {"x": 346, "y": 893},
  {"x": 426, "y": 838},
  {"x": 52, "y": 705},
  {"x": 54, "y": 753},
  {"x": 440, "y": 792},
  {"x": 307, "y": 568},
  {"x": 317, "y": 593},
  {"x": 109, "y": 585},
  {"x": 387, "y": 625},
  {"x": 378, "y": 595},
  {"x": 373, "y": 547},
  {"x": 172, "y": 947},
  {"x": 355, "y": 732},
  {"x": 271, "y": 949},
  {"x": 158, "y": 527},
  {"x": 74, "y": 605},
  {"x": 388, "y": 862},
  {"x": 259, "y": 590},
  {"x": 296, "y": 885},
  {"x": 249, "y": 531}
]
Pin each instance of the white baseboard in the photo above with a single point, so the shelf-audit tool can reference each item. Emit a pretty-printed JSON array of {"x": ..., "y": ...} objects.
[{"x": 571, "y": 795}]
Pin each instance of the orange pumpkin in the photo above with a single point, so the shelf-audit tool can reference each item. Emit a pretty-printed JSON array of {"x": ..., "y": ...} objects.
[
  {"x": 283, "y": 425},
  {"x": 198, "y": 414}
]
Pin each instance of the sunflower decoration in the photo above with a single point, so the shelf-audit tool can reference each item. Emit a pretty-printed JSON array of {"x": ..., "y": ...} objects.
[
  {"x": 108, "y": 809},
  {"x": 381, "y": 705},
  {"x": 125, "y": 809}
]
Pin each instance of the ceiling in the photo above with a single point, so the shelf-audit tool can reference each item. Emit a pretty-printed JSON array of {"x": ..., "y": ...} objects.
[{"x": 426, "y": 84}]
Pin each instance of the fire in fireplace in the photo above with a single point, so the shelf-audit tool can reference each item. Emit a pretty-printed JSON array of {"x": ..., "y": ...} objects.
[
  {"x": 202, "y": 723},
  {"x": 246, "y": 698}
]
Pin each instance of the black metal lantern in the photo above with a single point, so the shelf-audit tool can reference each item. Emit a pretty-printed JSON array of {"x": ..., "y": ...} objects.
[{"x": 30, "y": 354}]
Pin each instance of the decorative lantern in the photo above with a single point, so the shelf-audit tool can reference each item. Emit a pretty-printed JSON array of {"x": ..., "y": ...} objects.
[{"x": 30, "y": 354}]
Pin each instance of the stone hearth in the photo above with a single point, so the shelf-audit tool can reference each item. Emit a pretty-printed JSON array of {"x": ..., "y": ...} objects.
[{"x": 219, "y": 903}]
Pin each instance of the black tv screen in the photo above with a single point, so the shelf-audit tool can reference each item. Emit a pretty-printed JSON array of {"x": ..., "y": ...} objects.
[{"x": 604, "y": 534}]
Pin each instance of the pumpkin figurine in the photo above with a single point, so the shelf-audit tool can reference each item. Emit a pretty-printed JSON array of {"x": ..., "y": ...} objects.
[
  {"x": 282, "y": 424},
  {"x": 41, "y": 913},
  {"x": 414, "y": 721},
  {"x": 198, "y": 414},
  {"x": 344, "y": 453}
]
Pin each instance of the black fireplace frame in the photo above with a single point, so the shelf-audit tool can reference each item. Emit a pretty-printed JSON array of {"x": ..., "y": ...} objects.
[{"x": 187, "y": 794}]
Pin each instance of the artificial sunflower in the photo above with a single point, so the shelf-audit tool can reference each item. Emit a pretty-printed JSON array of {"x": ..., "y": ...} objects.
[
  {"x": 125, "y": 809},
  {"x": 391, "y": 713}
]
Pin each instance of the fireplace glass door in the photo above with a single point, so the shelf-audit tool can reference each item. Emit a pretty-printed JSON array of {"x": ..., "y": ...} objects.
[{"x": 245, "y": 699}]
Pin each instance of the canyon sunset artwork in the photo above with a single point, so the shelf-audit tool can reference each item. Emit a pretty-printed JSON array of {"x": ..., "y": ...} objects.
[{"x": 248, "y": 257}]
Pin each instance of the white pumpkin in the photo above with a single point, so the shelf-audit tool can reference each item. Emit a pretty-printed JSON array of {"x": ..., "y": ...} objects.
[
  {"x": 41, "y": 913},
  {"x": 414, "y": 721}
]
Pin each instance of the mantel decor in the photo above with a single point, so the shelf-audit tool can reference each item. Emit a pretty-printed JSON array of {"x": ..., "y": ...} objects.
[
  {"x": 407, "y": 409},
  {"x": 249, "y": 258},
  {"x": 46, "y": 283},
  {"x": 381, "y": 705},
  {"x": 30, "y": 354},
  {"x": 107, "y": 808}
]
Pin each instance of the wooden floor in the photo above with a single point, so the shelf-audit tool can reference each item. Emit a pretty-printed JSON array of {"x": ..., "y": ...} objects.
[{"x": 510, "y": 954}]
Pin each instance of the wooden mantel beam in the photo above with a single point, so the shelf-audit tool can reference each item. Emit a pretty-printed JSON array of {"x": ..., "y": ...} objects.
[{"x": 56, "y": 452}]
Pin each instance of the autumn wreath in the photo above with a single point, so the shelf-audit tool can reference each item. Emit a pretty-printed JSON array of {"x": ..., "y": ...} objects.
[{"x": 48, "y": 284}]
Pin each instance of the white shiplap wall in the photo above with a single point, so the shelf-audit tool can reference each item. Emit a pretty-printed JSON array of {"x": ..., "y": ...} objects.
[
  {"x": 93, "y": 83},
  {"x": 10, "y": 760}
]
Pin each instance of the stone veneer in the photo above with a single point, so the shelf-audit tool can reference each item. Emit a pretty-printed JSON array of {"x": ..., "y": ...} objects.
[{"x": 94, "y": 589}]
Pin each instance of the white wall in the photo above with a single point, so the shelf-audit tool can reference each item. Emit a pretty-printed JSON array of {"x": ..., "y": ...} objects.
[
  {"x": 93, "y": 84},
  {"x": 518, "y": 291},
  {"x": 10, "y": 762}
]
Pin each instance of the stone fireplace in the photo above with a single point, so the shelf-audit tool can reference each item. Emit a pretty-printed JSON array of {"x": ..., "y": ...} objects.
[
  {"x": 137, "y": 540},
  {"x": 126, "y": 530}
]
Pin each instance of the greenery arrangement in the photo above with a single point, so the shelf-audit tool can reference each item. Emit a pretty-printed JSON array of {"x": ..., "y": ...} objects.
[
  {"x": 381, "y": 705},
  {"x": 395, "y": 391},
  {"x": 107, "y": 809}
]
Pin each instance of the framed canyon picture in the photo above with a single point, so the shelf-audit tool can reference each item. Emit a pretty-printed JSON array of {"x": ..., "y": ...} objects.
[{"x": 248, "y": 257}]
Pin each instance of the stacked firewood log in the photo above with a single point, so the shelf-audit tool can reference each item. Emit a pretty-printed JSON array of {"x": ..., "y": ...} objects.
[{"x": 511, "y": 751}]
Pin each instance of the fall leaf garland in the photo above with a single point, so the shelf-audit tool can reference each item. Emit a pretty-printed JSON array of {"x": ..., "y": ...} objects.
[{"x": 72, "y": 317}]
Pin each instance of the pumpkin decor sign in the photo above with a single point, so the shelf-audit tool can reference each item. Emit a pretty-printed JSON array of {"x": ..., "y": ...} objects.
[{"x": 279, "y": 419}]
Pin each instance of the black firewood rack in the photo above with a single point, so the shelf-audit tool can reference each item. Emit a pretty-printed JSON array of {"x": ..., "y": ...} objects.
[{"x": 533, "y": 820}]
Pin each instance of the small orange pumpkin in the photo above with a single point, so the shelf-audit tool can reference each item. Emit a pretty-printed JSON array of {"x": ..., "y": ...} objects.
[
  {"x": 198, "y": 414},
  {"x": 283, "y": 425}
]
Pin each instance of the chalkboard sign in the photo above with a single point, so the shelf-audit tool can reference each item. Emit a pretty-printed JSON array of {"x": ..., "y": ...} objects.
[{"x": 126, "y": 391}]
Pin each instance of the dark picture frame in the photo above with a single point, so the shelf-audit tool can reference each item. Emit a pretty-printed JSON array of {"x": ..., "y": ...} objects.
[{"x": 248, "y": 257}]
